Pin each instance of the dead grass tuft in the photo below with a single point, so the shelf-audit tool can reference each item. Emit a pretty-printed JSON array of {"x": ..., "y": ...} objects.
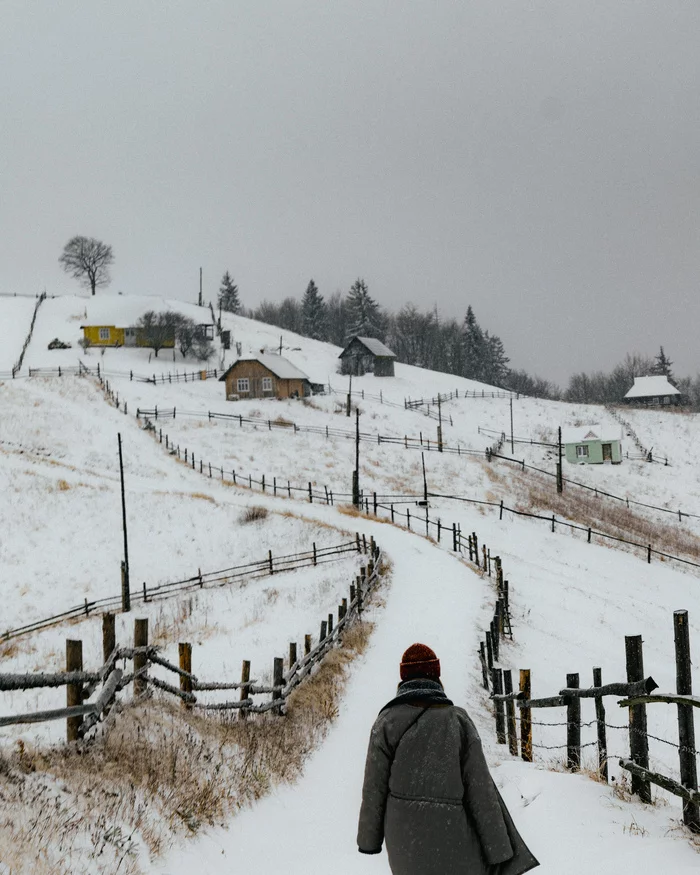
[
  {"x": 63, "y": 486},
  {"x": 253, "y": 514},
  {"x": 202, "y": 497}
]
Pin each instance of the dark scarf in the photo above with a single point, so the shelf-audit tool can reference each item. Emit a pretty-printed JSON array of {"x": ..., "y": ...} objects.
[{"x": 419, "y": 691}]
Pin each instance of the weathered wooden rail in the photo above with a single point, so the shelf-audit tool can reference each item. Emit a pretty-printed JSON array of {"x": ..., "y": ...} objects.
[
  {"x": 201, "y": 580},
  {"x": 81, "y": 716},
  {"x": 638, "y": 692}
]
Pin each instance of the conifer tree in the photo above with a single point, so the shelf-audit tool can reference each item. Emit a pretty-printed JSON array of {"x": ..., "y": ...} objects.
[
  {"x": 662, "y": 365},
  {"x": 365, "y": 317},
  {"x": 313, "y": 313},
  {"x": 228, "y": 295},
  {"x": 474, "y": 347}
]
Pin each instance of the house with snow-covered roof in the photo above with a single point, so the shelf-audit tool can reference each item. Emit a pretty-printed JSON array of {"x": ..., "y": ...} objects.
[
  {"x": 367, "y": 355},
  {"x": 656, "y": 390},
  {"x": 592, "y": 445},
  {"x": 265, "y": 376}
]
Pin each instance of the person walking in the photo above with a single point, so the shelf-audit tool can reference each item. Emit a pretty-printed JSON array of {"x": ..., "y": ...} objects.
[{"x": 428, "y": 792}]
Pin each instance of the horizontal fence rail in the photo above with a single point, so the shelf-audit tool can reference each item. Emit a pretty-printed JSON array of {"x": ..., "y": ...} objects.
[
  {"x": 82, "y": 716},
  {"x": 637, "y": 691},
  {"x": 202, "y": 580}
]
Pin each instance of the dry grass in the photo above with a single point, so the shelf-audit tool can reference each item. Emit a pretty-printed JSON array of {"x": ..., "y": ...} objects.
[
  {"x": 253, "y": 514},
  {"x": 63, "y": 485},
  {"x": 536, "y": 494},
  {"x": 284, "y": 423},
  {"x": 157, "y": 771}
]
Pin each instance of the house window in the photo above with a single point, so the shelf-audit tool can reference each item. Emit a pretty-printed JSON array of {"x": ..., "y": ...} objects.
[
  {"x": 243, "y": 384},
  {"x": 267, "y": 384},
  {"x": 104, "y": 333},
  {"x": 582, "y": 451}
]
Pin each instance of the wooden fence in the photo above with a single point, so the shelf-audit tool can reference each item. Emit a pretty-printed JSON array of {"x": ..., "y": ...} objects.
[
  {"x": 83, "y": 370},
  {"x": 81, "y": 716},
  {"x": 18, "y": 364},
  {"x": 637, "y": 690},
  {"x": 201, "y": 580},
  {"x": 278, "y": 486}
]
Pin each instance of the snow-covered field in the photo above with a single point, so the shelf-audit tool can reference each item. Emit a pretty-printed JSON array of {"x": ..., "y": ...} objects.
[
  {"x": 572, "y": 602},
  {"x": 15, "y": 319}
]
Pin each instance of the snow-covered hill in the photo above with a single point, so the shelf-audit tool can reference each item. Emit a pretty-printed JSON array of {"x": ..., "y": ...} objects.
[{"x": 572, "y": 602}]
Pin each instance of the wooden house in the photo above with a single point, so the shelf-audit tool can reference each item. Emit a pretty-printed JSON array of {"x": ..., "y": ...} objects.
[
  {"x": 112, "y": 335},
  {"x": 265, "y": 376},
  {"x": 655, "y": 391},
  {"x": 592, "y": 445},
  {"x": 367, "y": 355}
]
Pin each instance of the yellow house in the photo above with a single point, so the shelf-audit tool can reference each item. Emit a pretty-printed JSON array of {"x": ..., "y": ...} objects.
[{"x": 110, "y": 335}]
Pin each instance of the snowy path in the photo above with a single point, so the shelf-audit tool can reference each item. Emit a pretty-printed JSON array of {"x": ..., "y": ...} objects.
[{"x": 571, "y": 823}]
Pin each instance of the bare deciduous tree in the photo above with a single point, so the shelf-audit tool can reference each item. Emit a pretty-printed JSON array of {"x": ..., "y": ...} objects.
[{"x": 88, "y": 260}]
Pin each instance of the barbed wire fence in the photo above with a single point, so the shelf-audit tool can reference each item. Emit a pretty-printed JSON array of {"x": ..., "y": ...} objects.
[{"x": 637, "y": 692}]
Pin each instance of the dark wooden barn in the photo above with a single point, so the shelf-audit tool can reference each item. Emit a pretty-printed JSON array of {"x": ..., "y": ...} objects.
[{"x": 367, "y": 355}]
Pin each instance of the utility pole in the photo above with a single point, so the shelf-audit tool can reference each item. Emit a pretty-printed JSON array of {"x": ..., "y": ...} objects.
[
  {"x": 560, "y": 478},
  {"x": 280, "y": 344},
  {"x": 512, "y": 443},
  {"x": 126, "y": 596},
  {"x": 439, "y": 425},
  {"x": 200, "y": 287},
  {"x": 356, "y": 472},
  {"x": 349, "y": 399}
]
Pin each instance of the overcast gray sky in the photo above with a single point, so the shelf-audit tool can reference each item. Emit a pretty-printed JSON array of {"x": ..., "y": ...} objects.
[{"x": 538, "y": 160}]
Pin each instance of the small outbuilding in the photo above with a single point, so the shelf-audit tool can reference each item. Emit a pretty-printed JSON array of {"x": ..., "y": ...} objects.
[
  {"x": 265, "y": 376},
  {"x": 367, "y": 355},
  {"x": 592, "y": 445},
  {"x": 656, "y": 391}
]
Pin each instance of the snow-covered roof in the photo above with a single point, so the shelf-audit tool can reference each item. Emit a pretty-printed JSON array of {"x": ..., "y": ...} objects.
[
  {"x": 123, "y": 311},
  {"x": 647, "y": 387},
  {"x": 582, "y": 433},
  {"x": 278, "y": 365},
  {"x": 376, "y": 347}
]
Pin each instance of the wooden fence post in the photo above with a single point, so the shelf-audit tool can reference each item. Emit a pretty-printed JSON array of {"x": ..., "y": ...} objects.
[
  {"x": 185, "y": 653},
  {"x": 686, "y": 725},
  {"x": 292, "y": 654},
  {"x": 494, "y": 639},
  {"x": 573, "y": 726},
  {"x": 489, "y": 651},
  {"x": 109, "y": 638},
  {"x": 307, "y": 645},
  {"x": 484, "y": 665},
  {"x": 277, "y": 680},
  {"x": 140, "y": 659},
  {"x": 497, "y": 681},
  {"x": 510, "y": 714},
  {"x": 323, "y": 632},
  {"x": 244, "y": 694},
  {"x": 602, "y": 733},
  {"x": 525, "y": 717},
  {"x": 74, "y": 692},
  {"x": 639, "y": 742}
]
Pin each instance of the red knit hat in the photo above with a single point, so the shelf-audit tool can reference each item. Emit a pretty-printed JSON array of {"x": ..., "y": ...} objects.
[{"x": 419, "y": 661}]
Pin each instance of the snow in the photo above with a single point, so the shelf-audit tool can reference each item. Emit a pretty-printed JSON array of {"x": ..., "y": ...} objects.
[
  {"x": 278, "y": 365},
  {"x": 647, "y": 387},
  {"x": 590, "y": 433},
  {"x": 572, "y": 602},
  {"x": 15, "y": 319}
]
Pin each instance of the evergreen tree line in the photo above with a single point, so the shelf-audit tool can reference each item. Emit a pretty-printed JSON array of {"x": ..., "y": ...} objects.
[{"x": 417, "y": 338}]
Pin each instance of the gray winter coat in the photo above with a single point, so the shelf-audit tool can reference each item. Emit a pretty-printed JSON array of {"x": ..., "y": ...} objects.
[{"x": 428, "y": 792}]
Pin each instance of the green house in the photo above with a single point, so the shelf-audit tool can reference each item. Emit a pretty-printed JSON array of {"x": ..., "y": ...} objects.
[{"x": 592, "y": 445}]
